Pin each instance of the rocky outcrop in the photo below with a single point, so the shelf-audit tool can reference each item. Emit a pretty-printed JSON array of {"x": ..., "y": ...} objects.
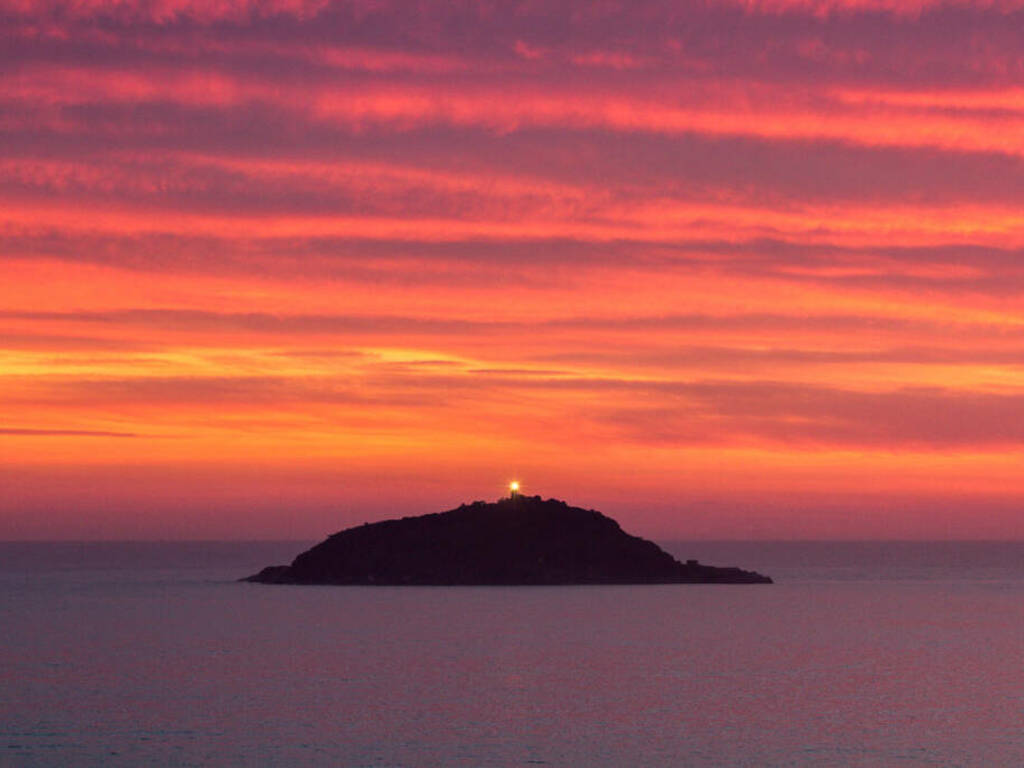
[{"x": 522, "y": 540}]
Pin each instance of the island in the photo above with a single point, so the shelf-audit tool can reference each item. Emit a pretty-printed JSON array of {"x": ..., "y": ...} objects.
[{"x": 520, "y": 540}]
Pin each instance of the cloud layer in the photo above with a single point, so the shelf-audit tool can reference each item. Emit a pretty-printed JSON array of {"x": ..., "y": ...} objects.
[{"x": 752, "y": 248}]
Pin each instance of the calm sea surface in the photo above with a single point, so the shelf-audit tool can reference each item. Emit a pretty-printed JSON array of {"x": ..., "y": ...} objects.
[{"x": 861, "y": 655}]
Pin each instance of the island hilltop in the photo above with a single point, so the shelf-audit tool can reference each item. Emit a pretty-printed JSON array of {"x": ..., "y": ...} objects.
[{"x": 520, "y": 540}]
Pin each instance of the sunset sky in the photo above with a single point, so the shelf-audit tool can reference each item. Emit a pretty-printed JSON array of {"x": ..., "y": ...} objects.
[{"x": 747, "y": 269}]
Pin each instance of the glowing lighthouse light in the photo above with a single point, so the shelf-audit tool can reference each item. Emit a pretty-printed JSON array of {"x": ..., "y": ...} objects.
[{"x": 513, "y": 488}]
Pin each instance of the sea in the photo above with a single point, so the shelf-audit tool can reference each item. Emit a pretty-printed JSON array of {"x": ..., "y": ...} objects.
[{"x": 861, "y": 654}]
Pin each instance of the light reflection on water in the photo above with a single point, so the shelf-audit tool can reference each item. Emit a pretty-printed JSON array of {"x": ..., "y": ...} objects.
[{"x": 151, "y": 654}]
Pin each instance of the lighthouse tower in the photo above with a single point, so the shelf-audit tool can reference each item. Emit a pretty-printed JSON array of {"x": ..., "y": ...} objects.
[{"x": 513, "y": 489}]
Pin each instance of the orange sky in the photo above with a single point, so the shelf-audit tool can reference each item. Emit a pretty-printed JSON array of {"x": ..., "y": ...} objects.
[{"x": 728, "y": 270}]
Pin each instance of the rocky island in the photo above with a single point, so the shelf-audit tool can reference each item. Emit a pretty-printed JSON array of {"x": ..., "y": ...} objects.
[{"x": 521, "y": 540}]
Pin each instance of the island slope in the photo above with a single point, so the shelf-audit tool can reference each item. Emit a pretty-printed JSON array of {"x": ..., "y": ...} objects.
[{"x": 522, "y": 540}]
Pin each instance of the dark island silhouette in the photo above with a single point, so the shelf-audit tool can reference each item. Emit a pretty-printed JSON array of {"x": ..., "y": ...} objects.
[{"x": 521, "y": 540}]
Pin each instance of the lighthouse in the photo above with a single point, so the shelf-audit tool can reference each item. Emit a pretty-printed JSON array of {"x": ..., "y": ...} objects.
[{"x": 513, "y": 489}]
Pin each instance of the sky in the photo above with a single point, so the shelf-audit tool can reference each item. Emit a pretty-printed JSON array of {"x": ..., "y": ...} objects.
[{"x": 741, "y": 269}]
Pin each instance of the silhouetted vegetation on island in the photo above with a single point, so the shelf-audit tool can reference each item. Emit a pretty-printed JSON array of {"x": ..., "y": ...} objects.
[{"x": 522, "y": 540}]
